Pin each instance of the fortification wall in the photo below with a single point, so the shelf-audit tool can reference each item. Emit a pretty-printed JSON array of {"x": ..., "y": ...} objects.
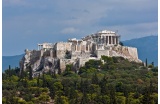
[
  {"x": 63, "y": 46},
  {"x": 82, "y": 61},
  {"x": 61, "y": 49},
  {"x": 64, "y": 62},
  {"x": 99, "y": 53},
  {"x": 133, "y": 52},
  {"x": 129, "y": 53},
  {"x": 80, "y": 54},
  {"x": 61, "y": 53}
]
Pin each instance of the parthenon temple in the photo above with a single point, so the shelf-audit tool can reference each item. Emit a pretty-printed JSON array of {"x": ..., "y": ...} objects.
[{"x": 104, "y": 37}]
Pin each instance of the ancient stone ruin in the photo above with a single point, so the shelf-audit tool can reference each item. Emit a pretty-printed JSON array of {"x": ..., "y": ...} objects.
[{"x": 55, "y": 56}]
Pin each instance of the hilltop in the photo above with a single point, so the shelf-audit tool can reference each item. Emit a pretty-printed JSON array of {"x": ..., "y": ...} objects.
[{"x": 147, "y": 48}]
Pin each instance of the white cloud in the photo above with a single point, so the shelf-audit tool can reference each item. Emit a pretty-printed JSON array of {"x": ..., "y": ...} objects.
[
  {"x": 69, "y": 30},
  {"x": 135, "y": 30}
]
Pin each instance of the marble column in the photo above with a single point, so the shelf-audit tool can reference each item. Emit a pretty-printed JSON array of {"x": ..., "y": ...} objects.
[
  {"x": 77, "y": 46},
  {"x": 104, "y": 40},
  {"x": 88, "y": 48},
  {"x": 84, "y": 47},
  {"x": 108, "y": 39},
  {"x": 80, "y": 47},
  {"x": 99, "y": 39},
  {"x": 115, "y": 40},
  {"x": 111, "y": 40},
  {"x": 96, "y": 47}
]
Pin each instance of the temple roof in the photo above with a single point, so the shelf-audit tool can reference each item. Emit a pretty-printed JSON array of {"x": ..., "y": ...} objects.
[{"x": 106, "y": 31}]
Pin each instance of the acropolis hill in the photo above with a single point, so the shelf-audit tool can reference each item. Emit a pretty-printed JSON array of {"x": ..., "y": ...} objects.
[{"x": 55, "y": 56}]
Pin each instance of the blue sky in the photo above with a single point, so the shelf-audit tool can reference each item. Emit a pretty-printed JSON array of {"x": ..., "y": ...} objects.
[{"x": 28, "y": 22}]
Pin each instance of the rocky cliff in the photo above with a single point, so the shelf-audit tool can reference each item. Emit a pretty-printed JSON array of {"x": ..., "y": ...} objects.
[{"x": 48, "y": 60}]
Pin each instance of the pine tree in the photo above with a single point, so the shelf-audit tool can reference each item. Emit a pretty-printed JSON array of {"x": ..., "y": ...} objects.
[
  {"x": 104, "y": 89},
  {"x": 153, "y": 64},
  {"x": 38, "y": 85},
  {"x": 84, "y": 98},
  {"x": 22, "y": 74},
  {"x": 112, "y": 95},
  {"x": 146, "y": 98},
  {"x": 43, "y": 79},
  {"x": 151, "y": 87},
  {"x": 30, "y": 73},
  {"x": 9, "y": 71},
  {"x": 126, "y": 93},
  {"x": 59, "y": 71},
  {"x": 146, "y": 63},
  {"x": 95, "y": 79}
]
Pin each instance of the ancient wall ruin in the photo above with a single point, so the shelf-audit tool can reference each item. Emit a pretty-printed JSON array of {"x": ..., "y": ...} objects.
[{"x": 55, "y": 56}]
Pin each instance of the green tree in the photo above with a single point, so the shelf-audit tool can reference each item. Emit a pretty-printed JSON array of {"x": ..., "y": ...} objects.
[
  {"x": 95, "y": 79},
  {"x": 121, "y": 100},
  {"x": 112, "y": 94},
  {"x": 30, "y": 73},
  {"x": 146, "y": 63},
  {"x": 103, "y": 85},
  {"x": 84, "y": 99},
  {"x": 146, "y": 97},
  {"x": 57, "y": 86},
  {"x": 44, "y": 98},
  {"x": 61, "y": 100},
  {"x": 94, "y": 89}
]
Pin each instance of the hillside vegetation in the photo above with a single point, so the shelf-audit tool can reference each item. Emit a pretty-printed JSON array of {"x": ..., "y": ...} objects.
[{"x": 114, "y": 80}]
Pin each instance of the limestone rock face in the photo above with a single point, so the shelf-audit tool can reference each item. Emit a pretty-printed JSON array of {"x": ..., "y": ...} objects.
[
  {"x": 129, "y": 53},
  {"x": 43, "y": 61},
  {"x": 39, "y": 61}
]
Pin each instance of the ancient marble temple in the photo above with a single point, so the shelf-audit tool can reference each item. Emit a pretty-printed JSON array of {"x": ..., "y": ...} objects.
[{"x": 103, "y": 37}]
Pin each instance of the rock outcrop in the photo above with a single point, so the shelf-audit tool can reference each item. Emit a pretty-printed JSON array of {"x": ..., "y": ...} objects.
[{"x": 55, "y": 57}]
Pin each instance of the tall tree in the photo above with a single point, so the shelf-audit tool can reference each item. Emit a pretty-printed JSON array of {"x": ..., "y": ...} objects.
[
  {"x": 112, "y": 95},
  {"x": 9, "y": 71},
  {"x": 22, "y": 73},
  {"x": 103, "y": 85},
  {"x": 38, "y": 84},
  {"x": 152, "y": 64},
  {"x": 84, "y": 99},
  {"x": 44, "y": 81},
  {"x": 95, "y": 79},
  {"x": 30, "y": 73},
  {"x": 146, "y": 97},
  {"x": 146, "y": 63}
]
